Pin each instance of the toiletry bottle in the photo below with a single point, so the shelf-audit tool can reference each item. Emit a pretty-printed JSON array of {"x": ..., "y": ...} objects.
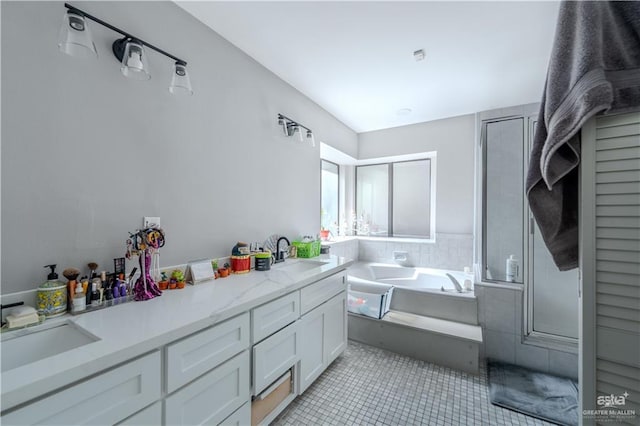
[
  {"x": 102, "y": 287},
  {"x": 512, "y": 269},
  {"x": 123, "y": 289},
  {"x": 79, "y": 300},
  {"x": 115, "y": 290},
  {"x": 467, "y": 285},
  {"x": 87, "y": 294},
  {"x": 108, "y": 295},
  {"x": 95, "y": 293}
]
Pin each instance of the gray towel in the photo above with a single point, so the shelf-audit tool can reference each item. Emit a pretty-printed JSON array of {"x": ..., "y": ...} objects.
[{"x": 594, "y": 67}]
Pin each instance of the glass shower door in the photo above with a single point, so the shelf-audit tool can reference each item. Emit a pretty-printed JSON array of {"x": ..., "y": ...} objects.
[
  {"x": 553, "y": 293},
  {"x": 503, "y": 205}
]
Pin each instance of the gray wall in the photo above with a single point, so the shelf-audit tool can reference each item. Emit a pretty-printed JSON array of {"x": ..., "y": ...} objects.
[
  {"x": 86, "y": 153},
  {"x": 453, "y": 139}
]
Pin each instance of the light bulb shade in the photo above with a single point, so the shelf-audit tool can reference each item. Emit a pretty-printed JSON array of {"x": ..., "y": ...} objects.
[
  {"x": 133, "y": 58},
  {"x": 180, "y": 83},
  {"x": 75, "y": 38}
]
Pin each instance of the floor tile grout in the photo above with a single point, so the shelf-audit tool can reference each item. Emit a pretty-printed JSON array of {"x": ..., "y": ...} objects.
[{"x": 371, "y": 386}]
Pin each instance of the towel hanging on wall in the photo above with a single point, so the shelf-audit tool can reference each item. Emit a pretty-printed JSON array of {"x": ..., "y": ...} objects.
[{"x": 594, "y": 68}]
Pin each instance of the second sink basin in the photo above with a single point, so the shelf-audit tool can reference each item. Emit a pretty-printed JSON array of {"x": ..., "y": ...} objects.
[{"x": 35, "y": 345}]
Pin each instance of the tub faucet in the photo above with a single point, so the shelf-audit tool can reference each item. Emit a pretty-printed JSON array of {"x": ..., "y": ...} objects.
[
  {"x": 455, "y": 282},
  {"x": 280, "y": 254}
]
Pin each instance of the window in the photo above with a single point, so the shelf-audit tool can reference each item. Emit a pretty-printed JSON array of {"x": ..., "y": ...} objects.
[
  {"x": 329, "y": 190},
  {"x": 395, "y": 199}
]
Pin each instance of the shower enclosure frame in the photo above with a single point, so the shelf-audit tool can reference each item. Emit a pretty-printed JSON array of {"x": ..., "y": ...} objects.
[{"x": 528, "y": 113}]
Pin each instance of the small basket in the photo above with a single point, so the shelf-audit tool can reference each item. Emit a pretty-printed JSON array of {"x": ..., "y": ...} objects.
[{"x": 306, "y": 250}]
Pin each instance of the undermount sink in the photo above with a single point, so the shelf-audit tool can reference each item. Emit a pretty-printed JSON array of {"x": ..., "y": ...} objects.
[
  {"x": 34, "y": 345},
  {"x": 301, "y": 266}
]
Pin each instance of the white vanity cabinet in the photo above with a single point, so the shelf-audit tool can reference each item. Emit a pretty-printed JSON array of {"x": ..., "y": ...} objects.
[
  {"x": 335, "y": 329},
  {"x": 213, "y": 397},
  {"x": 209, "y": 376},
  {"x": 274, "y": 315},
  {"x": 193, "y": 356},
  {"x": 312, "y": 358},
  {"x": 305, "y": 347},
  {"x": 152, "y": 415},
  {"x": 319, "y": 292},
  {"x": 274, "y": 356},
  {"x": 323, "y": 337},
  {"x": 107, "y": 398},
  {"x": 241, "y": 417}
]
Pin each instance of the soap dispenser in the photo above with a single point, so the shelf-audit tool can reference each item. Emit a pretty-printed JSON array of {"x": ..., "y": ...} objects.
[{"x": 52, "y": 295}]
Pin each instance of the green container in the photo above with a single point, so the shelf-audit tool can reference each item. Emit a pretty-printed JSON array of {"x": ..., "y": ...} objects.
[
  {"x": 306, "y": 250},
  {"x": 263, "y": 261}
]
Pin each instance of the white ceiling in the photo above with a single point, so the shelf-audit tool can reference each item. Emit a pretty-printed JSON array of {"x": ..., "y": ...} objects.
[{"x": 355, "y": 59}]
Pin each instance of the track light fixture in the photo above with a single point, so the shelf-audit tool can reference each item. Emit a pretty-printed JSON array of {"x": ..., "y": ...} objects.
[
  {"x": 75, "y": 40},
  {"x": 291, "y": 127}
]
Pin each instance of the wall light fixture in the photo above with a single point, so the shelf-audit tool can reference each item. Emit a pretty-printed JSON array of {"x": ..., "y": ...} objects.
[
  {"x": 291, "y": 127},
  {"x": 75, "y": 40}
]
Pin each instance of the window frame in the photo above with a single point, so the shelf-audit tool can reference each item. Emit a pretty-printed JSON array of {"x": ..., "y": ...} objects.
[
  {"x": 338, "y": 193},
  {"x": 431, "y": 157}
]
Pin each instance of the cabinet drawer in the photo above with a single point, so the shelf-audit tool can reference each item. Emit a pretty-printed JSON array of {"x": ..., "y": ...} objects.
[
  {"x": 274, "y": 356},
  {"x": 105, "y": 399},
  {"x": 241, "y": 417},
  {"x": 151, "y": 415},
  {"x": 272, "y": 316},
  {"x": 191, "y": 357},
  {"x": 318, "y": 293},
  {"x": 213, "y": 397}
]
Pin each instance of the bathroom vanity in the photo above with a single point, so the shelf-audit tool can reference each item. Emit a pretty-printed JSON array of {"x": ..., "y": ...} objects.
[{"x": 212, "y": 353}]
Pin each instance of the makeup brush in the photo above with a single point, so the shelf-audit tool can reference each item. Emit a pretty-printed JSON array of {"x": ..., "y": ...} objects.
[
  {"x": 92, "y": 267},
  {"x": 72, "y": 275}
]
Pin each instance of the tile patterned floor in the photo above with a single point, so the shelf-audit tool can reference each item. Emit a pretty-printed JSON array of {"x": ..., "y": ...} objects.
[{"x": 371, "y": 386}]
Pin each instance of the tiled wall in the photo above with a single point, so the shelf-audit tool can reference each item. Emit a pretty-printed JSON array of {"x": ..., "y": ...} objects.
[
  {"x": 500, "y": 315},
  {"x": 499, "y": 309},
  {"x": 450, "y": 251},
  {"x": 345, "y": 248}
]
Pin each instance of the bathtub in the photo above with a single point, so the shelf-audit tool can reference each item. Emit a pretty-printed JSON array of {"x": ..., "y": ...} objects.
[
  {"x": 416, "y": 317},
  {"x": 412, "y": 278}
]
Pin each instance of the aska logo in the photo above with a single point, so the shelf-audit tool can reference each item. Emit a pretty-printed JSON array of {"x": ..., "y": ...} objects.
[{"x": 612, "y": 400}]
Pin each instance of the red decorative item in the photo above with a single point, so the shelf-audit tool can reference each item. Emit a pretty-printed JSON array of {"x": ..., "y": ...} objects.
[{"x": 241, "y": 264}]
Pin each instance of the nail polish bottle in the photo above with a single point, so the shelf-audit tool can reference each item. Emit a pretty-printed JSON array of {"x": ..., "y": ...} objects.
[{"x": 115, "y": 290}]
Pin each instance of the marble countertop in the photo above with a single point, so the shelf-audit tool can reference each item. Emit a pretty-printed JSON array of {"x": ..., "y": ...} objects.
[{"x": 132, "y": 329}]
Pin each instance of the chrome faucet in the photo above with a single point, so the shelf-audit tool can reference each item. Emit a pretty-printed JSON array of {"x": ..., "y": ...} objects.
[
  {"x": 280, "y": 254},
  {"x": 455, "y": 282}
]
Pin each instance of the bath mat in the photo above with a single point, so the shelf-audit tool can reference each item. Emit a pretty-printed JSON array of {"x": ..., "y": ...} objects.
[{"x": 547, "y": 397}]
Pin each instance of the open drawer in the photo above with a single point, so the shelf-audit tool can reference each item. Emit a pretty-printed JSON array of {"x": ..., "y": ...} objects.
[{"x": 271, "y": 401}]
